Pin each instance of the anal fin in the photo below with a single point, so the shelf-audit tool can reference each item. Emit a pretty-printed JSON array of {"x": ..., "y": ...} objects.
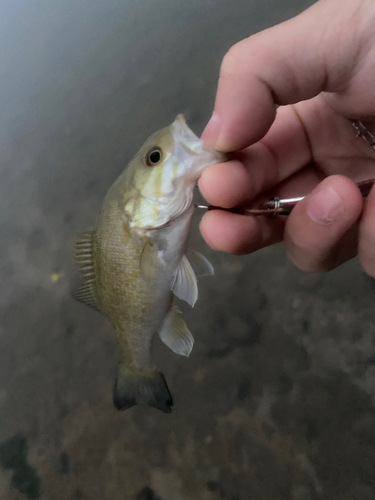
[{"x": 175, "y": 334}]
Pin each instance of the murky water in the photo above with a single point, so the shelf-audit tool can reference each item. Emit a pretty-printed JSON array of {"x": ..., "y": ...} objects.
[{"x": 277, "y": 399}]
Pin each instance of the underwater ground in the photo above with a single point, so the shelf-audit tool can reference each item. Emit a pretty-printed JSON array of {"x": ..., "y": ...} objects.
[{"x": 277, "y": 398}]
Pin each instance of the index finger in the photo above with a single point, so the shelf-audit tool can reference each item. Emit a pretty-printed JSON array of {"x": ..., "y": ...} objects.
[
  {"x": 283, "y": 151},
  {"x": 282, "y": 65}
]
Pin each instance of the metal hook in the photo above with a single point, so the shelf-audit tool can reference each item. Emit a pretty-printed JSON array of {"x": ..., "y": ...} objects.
[{"x": 364, "y": 133}]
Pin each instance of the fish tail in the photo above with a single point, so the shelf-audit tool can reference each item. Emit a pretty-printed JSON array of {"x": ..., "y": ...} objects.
[{"x": 135, "y": 386}]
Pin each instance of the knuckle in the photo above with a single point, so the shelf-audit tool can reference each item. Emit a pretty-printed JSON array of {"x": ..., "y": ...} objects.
[
  {"x": 228, "y": 63},
  {"x": 251, "y": 51},
  {"x": 233, "y": 60}
]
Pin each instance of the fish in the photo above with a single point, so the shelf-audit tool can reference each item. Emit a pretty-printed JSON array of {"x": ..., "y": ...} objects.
[{"x": 138, "y": 259}]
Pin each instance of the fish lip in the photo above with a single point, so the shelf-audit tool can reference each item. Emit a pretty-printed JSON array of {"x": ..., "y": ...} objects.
[
  {"x": 181, "y": 128},
  {"x": 203, "y": 155}
]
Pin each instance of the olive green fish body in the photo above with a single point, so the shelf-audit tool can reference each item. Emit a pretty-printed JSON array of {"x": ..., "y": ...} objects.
[
  {"x": 135, "y": 305},
  {"x": 137, "y": 259}
]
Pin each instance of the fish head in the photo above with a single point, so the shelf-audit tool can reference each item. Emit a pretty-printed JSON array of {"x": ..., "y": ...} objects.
[{"x": 165, "y": 172}]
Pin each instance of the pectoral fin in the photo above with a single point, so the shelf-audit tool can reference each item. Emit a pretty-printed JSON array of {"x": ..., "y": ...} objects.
[
  {"x": 184, "y": 282},
  {"x": 175, "y": 333},
  {"x": 201, "y": 265},
  {"x": 149, "y": 259}
]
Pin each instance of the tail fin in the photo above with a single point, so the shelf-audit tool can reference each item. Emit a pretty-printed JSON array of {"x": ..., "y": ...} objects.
[{"x": 141, "y": 387}]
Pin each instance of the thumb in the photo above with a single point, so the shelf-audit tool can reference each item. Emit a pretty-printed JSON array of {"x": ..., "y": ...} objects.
[{"x": 291, "y": 62}]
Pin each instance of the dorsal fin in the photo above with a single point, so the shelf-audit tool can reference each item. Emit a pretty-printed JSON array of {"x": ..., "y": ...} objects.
[{"x": 84, "y": 257}]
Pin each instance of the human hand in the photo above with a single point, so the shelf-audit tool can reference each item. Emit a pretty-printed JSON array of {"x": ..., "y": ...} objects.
[{"x": 319, "y": 67}]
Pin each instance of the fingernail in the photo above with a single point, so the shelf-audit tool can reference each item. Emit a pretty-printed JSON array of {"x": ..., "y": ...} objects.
[
  {"x": 212, "y": 130},
  {"x": 325, "y": 207}
]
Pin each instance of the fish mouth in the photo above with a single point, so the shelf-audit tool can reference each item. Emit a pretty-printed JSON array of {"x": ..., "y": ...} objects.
[
  {"x": 184, "y": 132},
  {"x": 202, "y": 156}
]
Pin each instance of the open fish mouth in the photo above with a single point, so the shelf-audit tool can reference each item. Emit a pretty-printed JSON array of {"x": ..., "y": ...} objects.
[
  {"x": 186, "y": 137},
  {"x": 189, "y": 147}
]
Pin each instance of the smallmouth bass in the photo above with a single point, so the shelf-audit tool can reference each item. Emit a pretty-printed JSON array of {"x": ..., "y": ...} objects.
[{"x": 137, "y": 259}]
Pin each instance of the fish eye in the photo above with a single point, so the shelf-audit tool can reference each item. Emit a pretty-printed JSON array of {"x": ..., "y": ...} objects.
[{"x": 154, "y": 157}]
